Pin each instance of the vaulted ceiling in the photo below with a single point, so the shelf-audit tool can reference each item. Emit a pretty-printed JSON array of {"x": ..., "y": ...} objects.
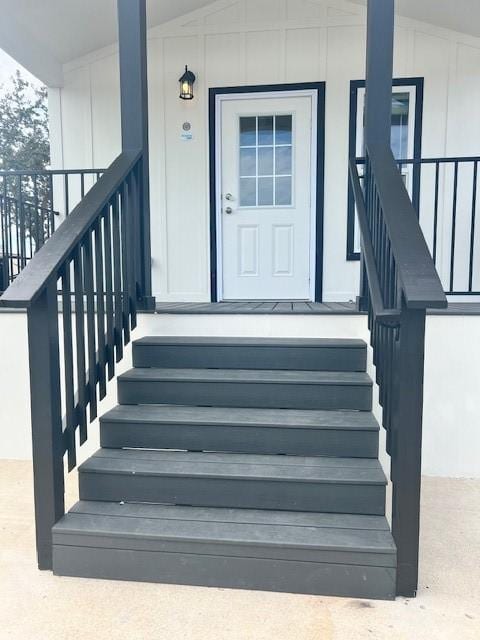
[
  {"x": 43, "y": 35},
  {"x": 459, "y": 15}
]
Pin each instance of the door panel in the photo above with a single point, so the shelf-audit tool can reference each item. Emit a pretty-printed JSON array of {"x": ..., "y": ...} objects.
[{"x": 266, "y": 200}]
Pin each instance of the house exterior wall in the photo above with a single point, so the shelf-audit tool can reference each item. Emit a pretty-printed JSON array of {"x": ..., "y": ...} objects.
[
  {"x": 250, "y": 42},
  {"x": 451, "y": 438}
]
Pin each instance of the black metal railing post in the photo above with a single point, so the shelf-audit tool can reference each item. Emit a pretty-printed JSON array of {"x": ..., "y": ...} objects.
[
  {"x": 47, "y": 438},
  {"x": 406, "y": 446}
]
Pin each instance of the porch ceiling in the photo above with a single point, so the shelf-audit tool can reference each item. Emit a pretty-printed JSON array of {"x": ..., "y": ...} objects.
[
  {"x": 42, "y": 36},
  {"x": 461, "y": 15}
]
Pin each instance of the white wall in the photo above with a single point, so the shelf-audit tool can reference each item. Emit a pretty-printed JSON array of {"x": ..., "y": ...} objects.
[
  {"x": 451, "y": 437},
  {"x": 235, "y": 42}
]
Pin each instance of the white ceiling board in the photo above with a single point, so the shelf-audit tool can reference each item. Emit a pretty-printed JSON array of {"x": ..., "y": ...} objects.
[
  {"x": 458, "y": 15},
  {"x": 44, "y": 35}
]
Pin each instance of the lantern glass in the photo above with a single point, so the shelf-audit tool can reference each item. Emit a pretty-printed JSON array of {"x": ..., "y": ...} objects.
[{"x": 186, "y": 84}]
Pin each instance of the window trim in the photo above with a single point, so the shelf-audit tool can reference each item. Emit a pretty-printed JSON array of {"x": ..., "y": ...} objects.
[{"x": 355, "y": 85}]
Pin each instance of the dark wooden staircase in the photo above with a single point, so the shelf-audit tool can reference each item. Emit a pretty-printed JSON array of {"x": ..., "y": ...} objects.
[{"x": 234, "y": 462}]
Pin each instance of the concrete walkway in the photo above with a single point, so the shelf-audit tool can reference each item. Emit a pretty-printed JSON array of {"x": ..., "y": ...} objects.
[{"x": 36, "y": 605}]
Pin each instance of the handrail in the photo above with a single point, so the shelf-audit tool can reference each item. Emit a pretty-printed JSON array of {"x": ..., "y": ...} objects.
[
  {"x": 430, "y": 160},
  {"x": 47, "y": 172},
  {"x": 46, "y": 262},
  {"x": 86, "y": 279},
  {"x": 421, "y": 285}
]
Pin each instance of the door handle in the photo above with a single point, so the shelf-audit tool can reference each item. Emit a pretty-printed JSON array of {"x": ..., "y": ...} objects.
[
  {"x": 228, "y": 196},
  {"x": 228, "y": 210}
]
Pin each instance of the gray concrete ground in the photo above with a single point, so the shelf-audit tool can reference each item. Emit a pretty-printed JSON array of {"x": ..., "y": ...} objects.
[{"x": 36, "y": 605}]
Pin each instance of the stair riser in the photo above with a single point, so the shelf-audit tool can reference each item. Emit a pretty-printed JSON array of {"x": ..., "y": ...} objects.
[
  {"x": 240, "y": 394},
  {"x": 225, "y": 492},
  {"x": 229, "y": 572},
  {"x": 250, "y": 357},
  {"x": 237, "y": 439}
]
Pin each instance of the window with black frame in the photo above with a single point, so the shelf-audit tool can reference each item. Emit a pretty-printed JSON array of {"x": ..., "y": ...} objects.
[{"x": 407, "y": 103}]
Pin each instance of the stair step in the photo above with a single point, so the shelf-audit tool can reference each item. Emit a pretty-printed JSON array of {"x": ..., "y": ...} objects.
[
  {"x": 250, "y": 353},
  {"x": 247, "y": 430},
  {"x": 247, "y": 388},
  {"x": 343, "y": 555},
  {"x": 335, "y": 485}
]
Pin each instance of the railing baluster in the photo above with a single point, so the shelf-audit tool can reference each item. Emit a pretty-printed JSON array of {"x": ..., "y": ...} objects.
[
  {"x": 102, "y": 358},
  {"x": 117, "y": 279},
  {"x": 21, "y": 216},
  {"x": 80, "y": 344},
  {"x": 132, "y": 253},
  {"x": 435, "y": 212},
  {"x": 91, "y": 349},
  {"x": 70, "y": 419},
  {"x": 66, "y": 194},
  {"x": 107, "y": 238},
  {"x": 454, "y": 226},
  {"x": 125, "y": 262},
  {"x": 472, "y": 227},
  {"x": 50, "y": 231},
  {"x": 10, "y": 239}
]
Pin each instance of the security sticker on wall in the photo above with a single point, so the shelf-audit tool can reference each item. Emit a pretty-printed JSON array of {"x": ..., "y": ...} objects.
[{"x": 186, "y": 131}]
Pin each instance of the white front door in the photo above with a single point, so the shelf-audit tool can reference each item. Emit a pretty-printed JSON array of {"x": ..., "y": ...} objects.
[{"x": 266, "y": 196}]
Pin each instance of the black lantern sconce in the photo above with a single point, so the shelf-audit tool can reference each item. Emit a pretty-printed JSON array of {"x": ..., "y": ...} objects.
[{"x": 186, "y": 85}]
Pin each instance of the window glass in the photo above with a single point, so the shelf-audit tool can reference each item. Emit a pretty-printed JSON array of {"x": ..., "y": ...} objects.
[
  {"x": 248, "y": 189},
  {"x": 399, "y": 132},
  {"x": 248, "y": 132},
  {"x": 266, "y": 160}
]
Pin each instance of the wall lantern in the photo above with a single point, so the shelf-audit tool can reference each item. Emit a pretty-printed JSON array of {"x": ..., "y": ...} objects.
[{"x": 186, "y": 85}]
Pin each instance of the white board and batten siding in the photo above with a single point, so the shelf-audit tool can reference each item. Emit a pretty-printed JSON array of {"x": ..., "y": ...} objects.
[{"x": 252, "y": 42}]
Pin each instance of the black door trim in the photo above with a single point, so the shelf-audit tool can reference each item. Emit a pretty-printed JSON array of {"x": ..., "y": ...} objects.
[{"x": 319, "y": 87}]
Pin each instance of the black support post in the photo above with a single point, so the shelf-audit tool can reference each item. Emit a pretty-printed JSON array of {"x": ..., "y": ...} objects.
[
  {"x": 406, "y": 452},
  {"x": 134, "y": 118},
  {"x": 378, "y": 85},
  {"x": 408, "y": 362},
  {"x": 47, "y": 437}
]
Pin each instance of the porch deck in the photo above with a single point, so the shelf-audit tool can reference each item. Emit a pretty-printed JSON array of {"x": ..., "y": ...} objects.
[
  {"x": 256, "y": 307},
  {"x": 293, "y": 308}
]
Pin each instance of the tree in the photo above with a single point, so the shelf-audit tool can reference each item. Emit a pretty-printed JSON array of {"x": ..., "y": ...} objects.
[
  {"x": 24, "y": 141},
  {"x": 24, "y": 146}
]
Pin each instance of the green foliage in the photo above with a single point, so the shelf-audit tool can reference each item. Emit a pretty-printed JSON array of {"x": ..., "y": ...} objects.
[
  {"x": 25, "y": 202},
  {"x": 24, "y": 140}
]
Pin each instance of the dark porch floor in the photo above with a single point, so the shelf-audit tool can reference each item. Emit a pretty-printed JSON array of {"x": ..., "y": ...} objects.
[
  {"x": 287, "y": 308},
  {"x": 257, "y": 307}
]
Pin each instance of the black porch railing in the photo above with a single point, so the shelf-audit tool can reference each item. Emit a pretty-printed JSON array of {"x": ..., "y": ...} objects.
[
  {"x": 399, "y": 282},
  {"x": 32, "y": 205},
  {"x": 81, "y": 292},
  {"x": 445, "y": 193}
]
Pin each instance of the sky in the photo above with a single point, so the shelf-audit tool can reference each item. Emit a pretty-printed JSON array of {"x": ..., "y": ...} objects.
[{"x": 8, "y": 66}]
